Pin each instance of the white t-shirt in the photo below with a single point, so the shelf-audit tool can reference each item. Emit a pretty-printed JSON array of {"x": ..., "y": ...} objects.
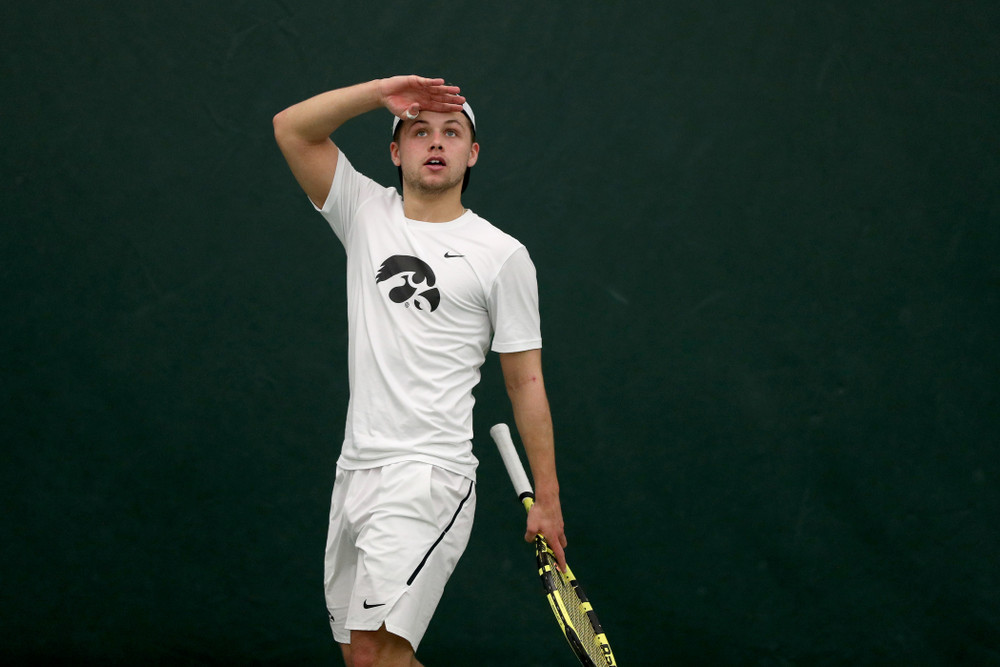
[{"x": 424, "y": 300}]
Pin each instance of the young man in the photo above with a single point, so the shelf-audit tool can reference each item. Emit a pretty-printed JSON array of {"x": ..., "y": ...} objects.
[{"x": 431, "y": 288}]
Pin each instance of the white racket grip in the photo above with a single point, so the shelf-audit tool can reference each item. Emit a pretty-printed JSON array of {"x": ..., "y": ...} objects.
[{"x": 501, "y": 436}]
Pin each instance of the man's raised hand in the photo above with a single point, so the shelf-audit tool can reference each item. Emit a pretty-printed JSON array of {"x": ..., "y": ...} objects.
[{"x": 407, "y": 96}]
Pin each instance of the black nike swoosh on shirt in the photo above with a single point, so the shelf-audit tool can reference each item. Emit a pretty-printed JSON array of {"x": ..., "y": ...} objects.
[
  {"x": 452, "y": 255},
  {"x": 371, "y": 606}
]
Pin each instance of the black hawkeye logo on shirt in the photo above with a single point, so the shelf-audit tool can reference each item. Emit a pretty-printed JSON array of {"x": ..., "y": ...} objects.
[{"x": 416, "y": 275}]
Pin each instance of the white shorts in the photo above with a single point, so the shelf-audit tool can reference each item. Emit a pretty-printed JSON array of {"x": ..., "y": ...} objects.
[{"x": 396, "y": 534}]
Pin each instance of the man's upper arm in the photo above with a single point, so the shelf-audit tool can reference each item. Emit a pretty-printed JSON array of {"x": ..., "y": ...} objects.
[
  {"x": 521, "y": 369},
  {"x": 312, "y": 164}
]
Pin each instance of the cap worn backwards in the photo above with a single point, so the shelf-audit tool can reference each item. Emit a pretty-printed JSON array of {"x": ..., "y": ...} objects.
[{"x": 466, "y": 109}]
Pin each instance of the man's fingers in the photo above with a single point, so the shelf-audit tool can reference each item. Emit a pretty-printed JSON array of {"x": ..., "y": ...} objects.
[
  {"x": 445, "y": 90},
  {"x": 434, "y": 87},
  {"x": 428, "y": 94},
  {"x": 560, "y": 555},
  {"x": 558, "y": 548},
  {"x": 447, "y": 101}
]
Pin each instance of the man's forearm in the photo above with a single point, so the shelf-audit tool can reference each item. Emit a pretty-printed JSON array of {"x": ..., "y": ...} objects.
[
  {"x": 534, "y": 424},
  {"x": 315, "y": 119},
  {"x": 526, "y": 389},
  {"x": 523, "y": 377}
]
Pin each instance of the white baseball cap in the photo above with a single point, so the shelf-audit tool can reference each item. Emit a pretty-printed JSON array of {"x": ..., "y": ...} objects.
[{"x": 466, "y": 109}]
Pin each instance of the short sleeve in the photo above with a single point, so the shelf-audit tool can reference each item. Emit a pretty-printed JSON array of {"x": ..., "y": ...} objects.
[
  {"x": 513, "y": 305},
  {"x": 349, "y": 190}
]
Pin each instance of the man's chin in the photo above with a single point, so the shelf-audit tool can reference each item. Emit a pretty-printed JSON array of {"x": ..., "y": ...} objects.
[{"x": 433, "y": 186}]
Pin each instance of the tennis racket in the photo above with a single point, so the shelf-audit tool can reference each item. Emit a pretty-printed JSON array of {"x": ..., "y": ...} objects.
[{"x": 569, "y": 604}]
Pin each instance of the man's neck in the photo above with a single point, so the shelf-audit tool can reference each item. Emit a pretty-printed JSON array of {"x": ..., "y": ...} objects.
[{"x": 443, "y": 207}]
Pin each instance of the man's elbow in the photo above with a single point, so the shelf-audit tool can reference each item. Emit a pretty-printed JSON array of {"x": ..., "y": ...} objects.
[
  {"x": 522, "y": 372},
  {"x": 526, "y": 388},
  {"x": 517, "y": 383},
  {"x": 280, "y": 125}
]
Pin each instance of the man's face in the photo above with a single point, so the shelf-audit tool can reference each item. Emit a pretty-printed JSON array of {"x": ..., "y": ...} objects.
[{"x": 434, "y": 151}]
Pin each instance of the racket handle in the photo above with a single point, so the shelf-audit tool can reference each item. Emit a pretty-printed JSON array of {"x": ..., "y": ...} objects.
[{"x": 505, "y": 443}]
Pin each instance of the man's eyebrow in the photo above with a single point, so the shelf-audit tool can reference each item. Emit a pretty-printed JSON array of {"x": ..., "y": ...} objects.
[{"x": 449, "y": 121}]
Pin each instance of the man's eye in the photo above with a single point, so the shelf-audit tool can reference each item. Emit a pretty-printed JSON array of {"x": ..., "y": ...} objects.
[{"x": 452, "y": 133}]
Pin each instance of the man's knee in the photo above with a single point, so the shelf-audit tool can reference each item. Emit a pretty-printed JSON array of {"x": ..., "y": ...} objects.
[{"x": 378, "y": 649}]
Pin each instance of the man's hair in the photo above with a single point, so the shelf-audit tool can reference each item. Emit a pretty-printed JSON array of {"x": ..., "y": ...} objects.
[{"x": 468, "y": 170}]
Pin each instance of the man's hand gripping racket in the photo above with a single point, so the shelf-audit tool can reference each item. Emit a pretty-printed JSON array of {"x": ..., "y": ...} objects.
[{"x": 570, "y": 606}]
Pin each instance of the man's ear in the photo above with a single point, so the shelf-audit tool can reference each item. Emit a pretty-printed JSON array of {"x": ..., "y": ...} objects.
[
  {"x": 473, "y": 154},
  {"x": 394, "y": 154}
]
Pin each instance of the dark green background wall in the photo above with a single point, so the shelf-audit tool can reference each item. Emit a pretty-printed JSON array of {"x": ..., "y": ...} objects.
[{"x": 766, "y": 235}]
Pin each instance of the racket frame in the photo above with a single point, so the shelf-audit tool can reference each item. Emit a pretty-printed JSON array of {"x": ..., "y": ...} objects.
[{"x": 546, "y": 562}]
